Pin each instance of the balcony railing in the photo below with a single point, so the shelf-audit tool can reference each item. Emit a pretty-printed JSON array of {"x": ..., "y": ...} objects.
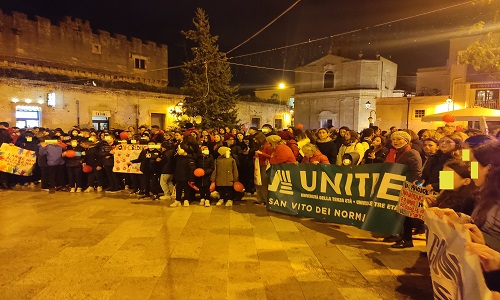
[{"x": 491, "y": 103}]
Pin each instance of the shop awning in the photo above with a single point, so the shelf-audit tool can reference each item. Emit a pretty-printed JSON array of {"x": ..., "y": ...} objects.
[{"x": 467, "y": 114}]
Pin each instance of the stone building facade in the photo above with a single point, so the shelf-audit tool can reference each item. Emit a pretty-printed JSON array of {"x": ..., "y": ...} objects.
[
  {"x": 66, "y": 74},
  {"x": 339, "y": 91}
]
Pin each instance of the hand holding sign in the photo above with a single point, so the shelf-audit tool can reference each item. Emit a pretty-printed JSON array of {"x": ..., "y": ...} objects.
[{"x": 489, "y": 258}]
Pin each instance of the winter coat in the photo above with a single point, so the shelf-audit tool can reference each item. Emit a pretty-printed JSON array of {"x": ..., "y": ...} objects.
[
  {"x": 92, "y": 157},
  {"x": 54, "y": 154},
  {"x": 292, "y": 144},
  {"x": 318, "y": 156},
  {"x": 23, "y": 143},
  {"x": 225, "y": 172},
  {"x": 206, "y": 163},
  {"x": 184, "y": 168},
  {"x": 41, "y": 159},
  {"x": 329, "y": 149},
  {"x": 265, "y": 155},
  {"x": 107, "y": 158},
  {"x": 412, "y": 160},
  {"x": 282, "y": 154},
  {"x": 353, "y": 147},
  {"x": 147, "y": 159},
  {"x": 167, "y": 162},
  {"x": 462, "y": 200},
  {"x": 379, "y": 156},
  {"x": 74, "y": 161},
  {"x": 434, "y": 164},
  {"x": 5, "y": 136}
]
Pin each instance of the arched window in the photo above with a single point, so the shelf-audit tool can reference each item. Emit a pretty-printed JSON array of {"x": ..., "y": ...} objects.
[{"x": 328, "y": 80}]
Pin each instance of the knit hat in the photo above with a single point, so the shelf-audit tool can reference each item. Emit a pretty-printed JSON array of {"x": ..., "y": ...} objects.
[
  {"x": 402, "y": 135},
  {"x": 286, "y": 135},
  {"x": 273, "y": 139},
  {"x": 222, "y": 150}
]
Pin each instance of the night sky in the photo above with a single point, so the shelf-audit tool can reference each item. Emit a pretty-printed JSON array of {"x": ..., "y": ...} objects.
[{"x": 414, "y": 43}]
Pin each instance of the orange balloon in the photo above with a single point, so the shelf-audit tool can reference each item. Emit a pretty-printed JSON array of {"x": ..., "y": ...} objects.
[
  {"x": 87, "y": 169},
  {"x": 199, "y": 172},
  {"x": 238, "y": 186},
  {"x": 299, "y": 126},
  {"x": 70, "y": 153},
  {"x": 449, "y": 118},
  {"x": 212, "y": 187},
  {"x": 124, "y": 135}
]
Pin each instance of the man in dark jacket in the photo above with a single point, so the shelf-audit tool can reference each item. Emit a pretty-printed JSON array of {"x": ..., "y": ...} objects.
[
  {"x": 149, "y": 159},
  {"x": 92, "y": 158},
  {"x": 107, "y": 151}
]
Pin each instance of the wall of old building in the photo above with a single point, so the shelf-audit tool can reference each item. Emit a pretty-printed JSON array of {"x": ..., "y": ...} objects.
[
  {"x": 76, "y": 104},
  {"x": 73, "y": 48}
]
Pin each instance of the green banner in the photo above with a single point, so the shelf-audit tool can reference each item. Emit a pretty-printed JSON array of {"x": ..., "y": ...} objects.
[{"x": 364, "y": 196}]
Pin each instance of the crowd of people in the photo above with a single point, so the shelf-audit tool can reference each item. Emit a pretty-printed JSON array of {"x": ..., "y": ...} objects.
[{"x": 182, "y": 163}]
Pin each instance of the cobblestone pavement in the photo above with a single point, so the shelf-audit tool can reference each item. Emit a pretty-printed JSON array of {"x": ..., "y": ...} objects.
[{"x": 114, "y": 246}]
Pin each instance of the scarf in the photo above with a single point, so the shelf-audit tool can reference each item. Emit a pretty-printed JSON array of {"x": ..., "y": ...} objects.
[{"x": 391, "y": 157}]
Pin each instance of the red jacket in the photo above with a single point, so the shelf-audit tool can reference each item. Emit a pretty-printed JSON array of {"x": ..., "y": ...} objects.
[
  {"x": 266, "y": 154},
  {"x": 318, "y": 156},
  {"x": 282, "y": 154}
]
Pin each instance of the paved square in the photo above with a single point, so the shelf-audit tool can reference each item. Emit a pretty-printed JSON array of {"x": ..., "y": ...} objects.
[{"x": 102, "y": 246}]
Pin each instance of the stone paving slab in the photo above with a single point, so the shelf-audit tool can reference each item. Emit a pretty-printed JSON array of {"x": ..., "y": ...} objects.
[{"x": 114, "y": 246}]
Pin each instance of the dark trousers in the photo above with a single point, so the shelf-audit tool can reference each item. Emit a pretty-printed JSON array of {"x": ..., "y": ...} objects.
[
  {"x": 145, "y": 183},
  {"x": 4, "y": 178},
  {"x": 407, "y": 229},
  {"x": 56, "y": 176},
  {"x": 75, "y": 176},
  {"x": 135, "y": 182},
  {"x": 96, "y": 176},
  {"x": 205, "y": 192},
  {"x": 112, "y": 178},
  {"x": 155, "y": 183},
  {"x": 226, "y": 192},
  {"x": 183, "y": 186},
  {"x": 44, "y": 177}
]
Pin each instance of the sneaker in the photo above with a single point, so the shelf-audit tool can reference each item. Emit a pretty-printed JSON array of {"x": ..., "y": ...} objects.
[
  {"x": 229, "y": 203},
  {"x": 72, "y": 190},
  {"x": 186, "y": 203},
  {"x": 32, "y": 184},
  {"x": 165, "y": 197},
  {"x": 126, "y": 187},
  {"x": 175, "y": 204},
  {"x": 403, "y": 244},
  {"x": 45, "y": 190},
  {"x": 78, "y": 190},
  {"x": 143, "y": 196},
  {"x": 155, "y": 197},
  {"x": 90, "y": 189},
  {"x": 134, "y": 192},
  {"x": 207, "y": 203},
  {"x": 202, "y": 202},
  {"x": 112, "y": 191},
  {"x": 99, "y": 188},
  {"x": 220, "y": 202}
]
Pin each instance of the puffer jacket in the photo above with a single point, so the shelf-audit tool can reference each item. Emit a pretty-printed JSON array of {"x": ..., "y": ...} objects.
[
  {"x": 207, "y": 164},
  {"x": 184, "y": 168},
  {"x": 225, "y": 172},
  {"x": 107, "y": 158}
]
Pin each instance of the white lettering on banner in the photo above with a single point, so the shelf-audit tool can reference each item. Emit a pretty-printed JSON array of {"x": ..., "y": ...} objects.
[
  {"x": 303, "y": 180},
  {"x": 326, "y": 179},
  {"x": 386, "y": 185},
  {"x": 362, "y": 178}
]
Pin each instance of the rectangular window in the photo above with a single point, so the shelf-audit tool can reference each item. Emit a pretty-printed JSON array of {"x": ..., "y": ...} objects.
[
  {"x": 255, "y": 122},
  {"x": 419, "y": 113},
  {"x": 278, "y": 123},
  {"x": 51, "y": 99},
  {"x": 140, "y": 63}
]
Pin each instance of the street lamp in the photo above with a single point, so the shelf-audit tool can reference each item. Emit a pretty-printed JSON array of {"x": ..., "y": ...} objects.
[
  {"x": 368, "y": 105},
  {"x": 370, "y": 118},
  {"x": 450, "y": 101}
]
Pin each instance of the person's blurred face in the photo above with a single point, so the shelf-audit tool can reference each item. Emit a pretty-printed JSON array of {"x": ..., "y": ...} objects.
[
  {"x": 308, "y": 152},
  {"x": 222, "y": 131},
  {"x": 204, "y": 133},
  {"x": 154, "y": 130},
  {"x": 430, "y": 148},
  {"x": 178, "y": 136},
  {"x": 447, "y": 130},
  {"x": 398, "y": 142},
  {"x": 230, "y": 141},
  {"x": 217, "y": 138},
  {"x": 347, "y": 135},
  {"x": 323, "y": 134},
  {"x": 234, "y": 131},
  {"x": 482, "y": 172},
  {"x": 342, "y": 132},
  {"x": 425, "y": 136},
  {"x": 240, "y": 137},
  {"x": 376, "y": 142},
  {"x": 458, "y": 181},
  {"x": 446, "y": 145}
]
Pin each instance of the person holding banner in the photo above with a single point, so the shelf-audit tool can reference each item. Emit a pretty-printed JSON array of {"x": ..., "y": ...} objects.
[
  {"x": 351, "y": 144},
  {"x": 281, "y": 152},
  {"x": 4, "y": 138},
  {"x": 404, "y": 154},
  {"x": 313, "y": 155},
  {"x": 107, "y": 151},
  {"x": 263, "y": 153}
]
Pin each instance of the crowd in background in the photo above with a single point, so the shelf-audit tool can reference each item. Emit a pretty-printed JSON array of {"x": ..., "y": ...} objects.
[{"x": 181, "y": 163}]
